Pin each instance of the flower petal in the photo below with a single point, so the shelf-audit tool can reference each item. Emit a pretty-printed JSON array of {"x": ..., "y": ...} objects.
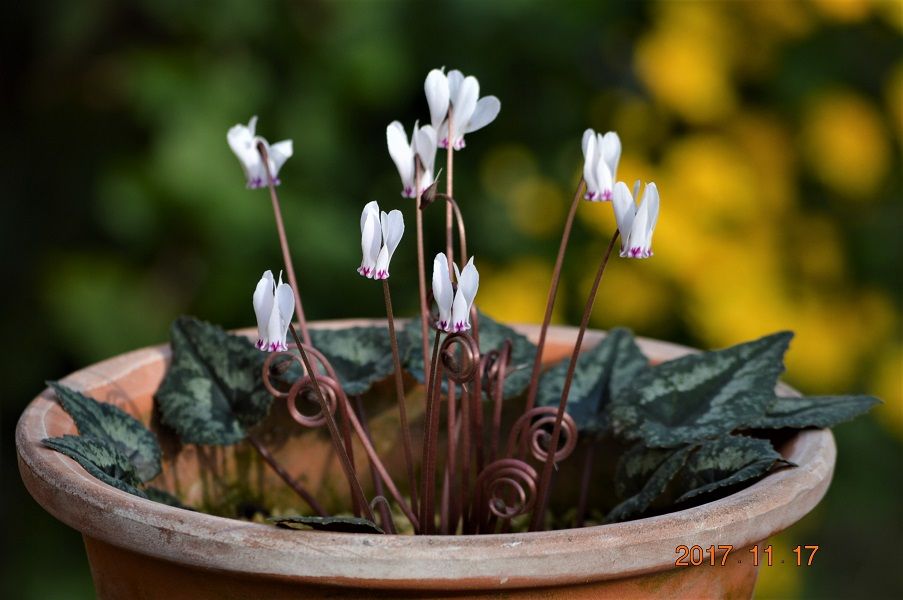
[
  {"x": 650, "y": 197},
  {"x": 455, "y": 78},
  {"x": 464, "y": 104},
  {"x": 625, "y": 211},
  {"x": 611, "y": 152},
  {"x": 371, "y": 239},
  {"x": 281, "y": 317},
  {"x": 402, "y": 155},
  {"x": 469, "y": 282},
  {"x": 442, "y": 291},
  {"x": 486, "y": 111},
  {"x": 437, "y": 96},
  {"x": 263, "y": 305},
  {"x": 425, "y": 147},
  {"x": 589, "y": 164},
  {"x": 279, "y": 153}
]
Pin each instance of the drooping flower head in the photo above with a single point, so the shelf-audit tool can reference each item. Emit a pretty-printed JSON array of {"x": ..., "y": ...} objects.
[
  {"x": 405, "y": 154},
  {"x": 636, "y": 224},
  {"x": 380, "y": 235},
  {"x": 601, "y": 154},
  {"x": 243, "y": 141},
  {"x": 462, "y": 95},
  {"x": 274, "y": 306},
  {"x": 454, "y": 305}
]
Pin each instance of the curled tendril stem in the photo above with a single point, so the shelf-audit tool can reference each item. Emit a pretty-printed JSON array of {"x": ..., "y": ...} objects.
[
  {"x": 496, "y": 485},
  {"x": 548, "y": 465},
  {"x": 357, "y": 492}
]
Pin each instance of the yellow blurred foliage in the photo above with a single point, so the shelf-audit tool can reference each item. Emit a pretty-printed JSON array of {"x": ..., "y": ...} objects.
[
  {"x": 684, "y": 61},
  {"x": 844, "y": 143},
  {"x": 893, "y": 94},
  {"x": 517, "y": 292},
  {"x": 536, "y": 206},
  {"x": 847, "y": 11},
  {"x": 631, "y": 295},
  {"x": 506, "y": 166}
]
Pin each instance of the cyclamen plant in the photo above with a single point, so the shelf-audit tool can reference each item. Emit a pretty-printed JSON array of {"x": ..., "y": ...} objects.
[{"x": 492, "y": 477}]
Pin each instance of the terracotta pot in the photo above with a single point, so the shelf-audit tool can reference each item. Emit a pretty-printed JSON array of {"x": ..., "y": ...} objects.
[{"x": 142, "y": 549}]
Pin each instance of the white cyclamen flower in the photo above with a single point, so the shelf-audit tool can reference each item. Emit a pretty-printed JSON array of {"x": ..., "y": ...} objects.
[
  {"x": 454, "y": 306},
  {"x": 469, "y": 111},
  {"x": 380, "y": 236},
  {"x": 601, "y": 154},
  {"x": 274, "y": 306},
  {"x": 243, "y": 141},
  {"x": 636, "y": 224},
  {"x": 405, "y": 154}
]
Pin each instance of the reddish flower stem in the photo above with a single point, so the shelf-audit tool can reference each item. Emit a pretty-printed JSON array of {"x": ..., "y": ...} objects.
[
  {"x": 283, "y": 242},
  {"x": 542, "y": 492},
  {"x": 399, "y": 396},
  {"x": 553, "y": 292},
  {"x": 427, "y": 515}
]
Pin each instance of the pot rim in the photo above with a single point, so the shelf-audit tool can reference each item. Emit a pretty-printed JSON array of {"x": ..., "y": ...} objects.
[{"x": 495, "y": 561}]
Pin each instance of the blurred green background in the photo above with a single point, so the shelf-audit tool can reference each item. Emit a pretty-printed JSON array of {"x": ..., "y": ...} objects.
[{"x": 772, "y": 129}]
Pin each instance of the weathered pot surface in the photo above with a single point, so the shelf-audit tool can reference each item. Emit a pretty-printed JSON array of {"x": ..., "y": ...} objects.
[{"x": 139, "y": 548}]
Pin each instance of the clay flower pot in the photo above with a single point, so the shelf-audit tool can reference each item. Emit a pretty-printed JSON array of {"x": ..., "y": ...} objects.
[{"x": 142, "y": 549}]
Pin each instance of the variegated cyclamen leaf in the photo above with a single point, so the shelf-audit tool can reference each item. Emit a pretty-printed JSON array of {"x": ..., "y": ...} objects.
[
  {"x": 602, "y": 372},
  {"x": 701, "y": 395},
  {"x": 492, "y": 335},
  {"x": 643, "y": 475},
  {"x": 100, "y": 458},
  {"x": 104, "y": 421},
  {"x": 213, "y": 391},
  {"x": 337, "y": 524},
  {"x": 728, "y": 460},
  {"x": 812, "y": 411},
  {"x": 361, "y": 356}
]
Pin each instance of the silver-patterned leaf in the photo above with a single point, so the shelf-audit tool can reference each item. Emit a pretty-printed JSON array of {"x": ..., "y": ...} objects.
[
  {"x": 101, "y": 459},
  {"x": 361, "y": 356},
  {"x": 106, "y": 422},
  {"x": 701, "y": 395},
  {"x": 214, "y": 389},
  {"x": 726, "y": 461},
  {"x": 643, "y": 475},
  {"x": 812, "y": 411},
  {"x": 602, "y": 372}
]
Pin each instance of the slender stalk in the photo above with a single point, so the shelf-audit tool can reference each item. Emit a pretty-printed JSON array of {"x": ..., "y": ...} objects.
[
  {"x": 427, "y": 515},
  {"x": 542, "y": 491},
  {"x": 283, "y": 242},
  {"x": 583, "y": 501},
  {"x": 553, "y": 292},
  {"x": 421, "y": 279},
  {"x": 449, "y": 187},
  {"x": 399, "y": 396},
  {"x": 285, "y": 475},
  {"x": 385, "y": 515},
  {"x": 448, "y": 513},
  {"x": 356, "y": 491}
]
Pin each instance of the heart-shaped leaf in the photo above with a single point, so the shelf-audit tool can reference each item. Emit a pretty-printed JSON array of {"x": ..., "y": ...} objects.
[
  {"x": 109, "y": 423},
  {"x": 213, "y": 391},
  {"x": 337, "y": 524},
  {"x": 492, "y": 335},
  {"x": 812, "y": 411},
  {"x": 701, "y": 395},
  {"x": 602, "y": 372},
  {"x": 100, "y": 458},
  {"x": 643, "y": 475},
  {"x": 728, "y": 460},
  {"x": 361, "y": 356}
]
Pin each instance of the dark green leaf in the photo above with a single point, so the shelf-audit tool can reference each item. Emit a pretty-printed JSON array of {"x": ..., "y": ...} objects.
[
  {"x": 812, "y": 411},
  {"x": 492, "y": 335},
  {"x": 164, "y": 497},
  {"x": 337, "y": 524},
  {"x": 214, "y": 389},
  {"x": 101, "y": 459},
  {"x": 361, "y": 356},
  {"x": 645, "y": 473},
  {"x": 602, "y": 372},
  {"x": 109, "y": 423},
  {"x": 701, "y": 395},
  {"x": 728, "y": 460}
]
